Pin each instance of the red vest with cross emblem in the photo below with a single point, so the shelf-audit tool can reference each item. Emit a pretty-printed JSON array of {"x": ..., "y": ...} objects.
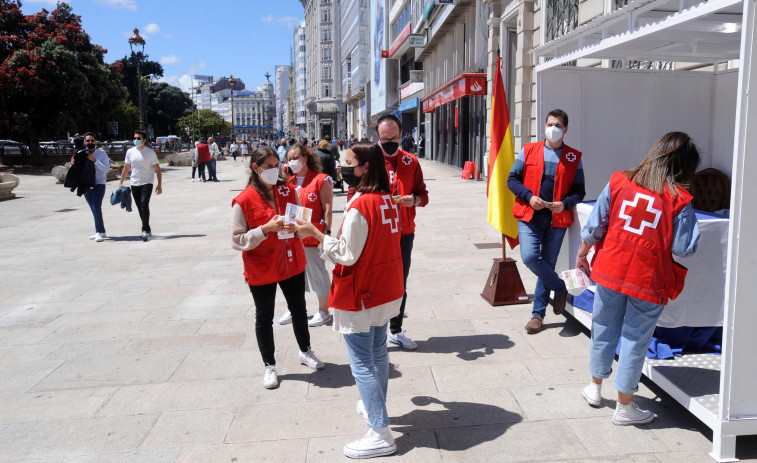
[
  {"x": 634, "y": 256},
  {"x": 310, "y": 196},
  {"x": 533, "y": 170},
  {"x": 273, "y": 260},
  {"x": 402, "y": 182},
  {"x": 376, "y": 277}
]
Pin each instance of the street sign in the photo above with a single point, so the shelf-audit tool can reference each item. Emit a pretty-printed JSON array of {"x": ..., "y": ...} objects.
[{"x": 416, "y": 40}]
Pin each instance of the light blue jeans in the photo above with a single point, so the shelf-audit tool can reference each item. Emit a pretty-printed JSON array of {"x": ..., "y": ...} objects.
[
  {"x": 617, "y": 316},
  {"x": 539, "y": 248},
  {"x": 369, "y": 362}
]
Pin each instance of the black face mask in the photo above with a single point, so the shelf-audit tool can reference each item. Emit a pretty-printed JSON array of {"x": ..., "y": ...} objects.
[
  {"x": 348, "y": 175},
  {"x": 390, "y": 147},
  {"x": 91, "y": 146}
]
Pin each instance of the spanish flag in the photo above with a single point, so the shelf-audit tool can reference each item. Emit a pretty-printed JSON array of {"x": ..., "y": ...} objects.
[{"x": 501, "y": 158}]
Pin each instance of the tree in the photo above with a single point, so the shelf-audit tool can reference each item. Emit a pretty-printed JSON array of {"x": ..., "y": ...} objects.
[
  {"x": 52, "y": 78},
  {"x": 211, "y": 123},
  {"x": 127, "y": 116},
  {"x": 166, "y": 104},
  {"x": 128, "y": 66}
]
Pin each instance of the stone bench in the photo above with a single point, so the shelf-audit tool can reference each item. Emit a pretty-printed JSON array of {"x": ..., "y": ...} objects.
[
  {"x": 183, "y": 158},
  {"x": 7, "y": 183}
]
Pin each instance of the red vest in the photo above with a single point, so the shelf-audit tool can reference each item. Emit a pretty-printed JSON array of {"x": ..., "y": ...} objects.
[
  {"x": 376, "y": 277},
  {"x": 310, "y": 196},
  {"x": 272, "y": 260},
  {"x": 634, "y": 256},
  {"x": 203, "y": 152},
  {"x": 533, "y": 169},
  {"x": 402, "y": 182}
]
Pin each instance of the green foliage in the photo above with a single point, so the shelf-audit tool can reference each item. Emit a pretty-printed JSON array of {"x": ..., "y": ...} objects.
[
  {"x": 53, "y": 80},
  {"x": 165, "y": 104},
  {"x": 127, "y": 116},
  {"x": 211, "y": 123},
  {"x": 128, "y": 66}
]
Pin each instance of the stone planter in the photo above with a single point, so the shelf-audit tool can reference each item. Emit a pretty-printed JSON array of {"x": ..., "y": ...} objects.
[
  {"x": 60, "y": 172},
  {"x": 7, "y": 183},
  {"x": 179, "y": 159}
]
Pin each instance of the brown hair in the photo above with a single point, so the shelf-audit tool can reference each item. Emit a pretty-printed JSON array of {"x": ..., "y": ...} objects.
[
  {"x": 559, "y": 113},
  {"x": 258, "y": 157},
  {"x": 670, "y": 164},
  {"x": 312, "y": 162},
  {"x": 376, "y": 180}
]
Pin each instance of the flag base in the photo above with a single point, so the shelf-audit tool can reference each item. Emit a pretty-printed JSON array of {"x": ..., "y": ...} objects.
[{"x": 503, "y": 285}]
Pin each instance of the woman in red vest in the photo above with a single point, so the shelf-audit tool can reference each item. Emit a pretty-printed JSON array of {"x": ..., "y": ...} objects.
[
  {"x": 367, "y": 287},
  {"x": 640, "y": 220},
  {"x": 314, "y": 191},
  {"x": 270, "y": 259}
]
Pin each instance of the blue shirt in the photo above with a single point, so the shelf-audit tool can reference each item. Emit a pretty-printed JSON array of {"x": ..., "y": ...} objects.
[{"x": 685, "y": 227}]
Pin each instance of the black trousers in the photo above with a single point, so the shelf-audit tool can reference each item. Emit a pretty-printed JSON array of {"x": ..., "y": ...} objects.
[
  {"x": 406, "y": 247},
  {"x": 265, "y": 299},
  {"x": 142, "y": 195}
]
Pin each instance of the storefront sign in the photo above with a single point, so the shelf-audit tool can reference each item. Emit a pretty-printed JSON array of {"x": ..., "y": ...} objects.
[
  {"x": 427, "y": 9},
  {"x": 460, "y": 86},
  {"x": 408, "y": 105},
  {"x": 411, "y": 88},
  {"x": 400, "y": 40},
  {"x": 416, "y": 40}
]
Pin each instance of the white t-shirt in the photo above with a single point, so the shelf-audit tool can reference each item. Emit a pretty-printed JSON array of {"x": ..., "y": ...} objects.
[{"x": 142, "y": 162}]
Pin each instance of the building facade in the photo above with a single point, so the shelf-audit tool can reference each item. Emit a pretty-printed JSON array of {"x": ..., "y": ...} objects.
[
  {"x": 356, "y": 63},
  {"x": 324, "y": 102},
  {"x": 282, "y": 90},
  {"x": 300, "y": 127}
]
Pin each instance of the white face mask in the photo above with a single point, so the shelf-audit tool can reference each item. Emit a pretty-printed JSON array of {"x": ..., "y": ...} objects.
[
  {"x": 553, "y": 133},
  {"x": 270, "y": 176},
  {"x": 295, "y": 165}
]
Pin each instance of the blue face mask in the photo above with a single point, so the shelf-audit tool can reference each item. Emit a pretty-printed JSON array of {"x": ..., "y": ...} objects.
[{"x": 137, "y": 143}]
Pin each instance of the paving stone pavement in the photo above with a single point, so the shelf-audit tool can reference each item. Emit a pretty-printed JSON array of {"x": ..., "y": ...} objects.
[{"x": 124, "y": 351}]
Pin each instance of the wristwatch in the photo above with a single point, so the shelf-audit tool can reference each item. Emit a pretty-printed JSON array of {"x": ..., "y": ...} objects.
[{"x": 328, "y": 232}]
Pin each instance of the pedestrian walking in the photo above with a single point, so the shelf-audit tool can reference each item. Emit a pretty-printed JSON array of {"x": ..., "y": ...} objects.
[
  {"x": 144, "y": 166},
  {"x": 633, "y": 264},
  {"x": 94, "y": 195},
  {"x": 195, "y": 163},
  {"x": 406, "y": 180},
  {"x": 233, "y": 150},
  {"x": 367, "y": 288},
  {"x": 547, "y": 179},
  {"x": 328, "y": 162},
  {"x": 243, "y": 149},
  {"x": 282, "y": 150},
  {"x": 214, "y": 154},
  {"x": 315, "y": 192},
  {"x": 257, "y": 217},
  {"x": 407, "y": 142},
  {"x": 203, "y": 157}
]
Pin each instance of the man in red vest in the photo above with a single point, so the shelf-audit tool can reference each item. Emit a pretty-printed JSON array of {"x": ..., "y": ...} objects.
[
  {"x": 547, "y": 180},
  {"x": 406, "y": 180}
]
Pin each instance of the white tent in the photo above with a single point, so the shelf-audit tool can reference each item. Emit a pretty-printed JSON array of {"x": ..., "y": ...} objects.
[{"x": 617, "y": 114}]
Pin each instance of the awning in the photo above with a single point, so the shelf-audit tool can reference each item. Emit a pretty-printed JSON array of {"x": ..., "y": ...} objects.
[
  {"x": 326, "y": 108},
  {"x": 460, "y": 86}
]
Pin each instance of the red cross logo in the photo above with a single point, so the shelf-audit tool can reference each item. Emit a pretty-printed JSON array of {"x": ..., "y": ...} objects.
[
  {"x": 312, "y": 197},
  {"x": 390, "y": 214},
  {"x": 284, "y": 190},
  {"x": 570, "y": 156},
  {"x": 406, "y": 160},
  {"x": 639, "y": 216}
]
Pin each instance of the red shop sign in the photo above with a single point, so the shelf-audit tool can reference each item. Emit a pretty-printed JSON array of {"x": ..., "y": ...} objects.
[{"x": 460, "y": 86}]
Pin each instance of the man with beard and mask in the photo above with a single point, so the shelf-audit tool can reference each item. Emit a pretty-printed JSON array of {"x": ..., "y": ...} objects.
[
  {"x": 406, "y": 180},
  {"x": 547, "y": 179},
  {"x": 94, "y": 195}
]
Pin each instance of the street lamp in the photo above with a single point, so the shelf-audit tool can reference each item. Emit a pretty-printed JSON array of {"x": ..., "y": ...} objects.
[
  {"x": 138, "y": 41},
  {"x": 231, "y": 87}
]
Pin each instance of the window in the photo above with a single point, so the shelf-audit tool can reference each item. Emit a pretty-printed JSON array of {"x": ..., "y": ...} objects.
[
  {"x": 327, "y": 91},
  {"x": 327, "y": 35},
  {"x": 326, "y": 53},
  {"x": 326, "y": 15},
  {"x": 327, "y": 72},
  {"x": 561, "y": 17},
  {"x": 402, "y": 21}
]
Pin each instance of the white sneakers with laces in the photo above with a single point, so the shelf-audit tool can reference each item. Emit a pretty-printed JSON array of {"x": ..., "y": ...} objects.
[
  {"x": 320, "y": 318},
  {"x": 403, "y": 341},
  {"x": 98, "y": 236},
  {"x": 310, "y": 360},
  {"x": 270, "y": 379},
  {"x": 631, "y": 414},
  {"x": 360, "y": 408},
  {"x": 592, "y": 394},
  {"x": 375, "y": 443},
  {"x": 286, "y": 318}
]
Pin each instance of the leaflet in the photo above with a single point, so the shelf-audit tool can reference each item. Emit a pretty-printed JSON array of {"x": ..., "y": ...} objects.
[{"x": 292, "y": 212}]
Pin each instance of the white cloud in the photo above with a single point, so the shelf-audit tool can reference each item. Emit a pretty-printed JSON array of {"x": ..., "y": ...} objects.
[
  {"x": 200, "y": 65},
  {"x": 288, "y": 22},
  {"x": 120, "y": 4},
  {"x": 152, "y": 28},
  {"x": 44, "y": 2},
  {"x": 169, "y": 60},
  {"x": 184, "y": 82}
]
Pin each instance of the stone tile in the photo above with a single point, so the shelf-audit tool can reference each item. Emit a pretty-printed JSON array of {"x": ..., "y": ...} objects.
[
  {"x": 570, "y": 370},
  {"x": 26, "y": 353},
  {"x": 52, "y": 439},
  {"x": 102, "y": 331},
  {"x": 281, "y": 451},
  {"x": 559, "y": 402},
  {"x": 224, "y": 364},
  {"x": 199, "y": 311},
  {"x": 20, "y": 377},
  {"x": 25, "y": 336},
  {"x": 185, "y": 343},
  {"x": 337, "y": 382},
  {"x": 140, "y": 456},
  {"x": 603, "y": 439},
  {"x": 686, "y": 457},
  {"x": 412, "y": 447},
  {"x": 98, "y": 316},
  {"x": 680, "y": 431},
  {"x": 87, "y": 349},
  {"x": 52, "y": 405},
  {"x": 26, "y": 321},
  {"x": 473, "y": 376},
  {"x": 189, "y": 427}
]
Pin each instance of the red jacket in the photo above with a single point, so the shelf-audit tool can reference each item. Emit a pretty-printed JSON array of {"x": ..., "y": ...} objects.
[
  {"x": 203, "y": 152},
  {"x": 376, "y": 277},
  {"x": 272, "y": 260},
  {"x": 533, "y": 170},
  {"x": 634, "y": 256},
  {"x": 406, "y": 179},
  {"x": 310, "y": 196}
]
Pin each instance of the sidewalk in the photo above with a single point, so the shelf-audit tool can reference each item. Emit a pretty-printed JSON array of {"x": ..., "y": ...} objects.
[{"x": 124, "y": 351}]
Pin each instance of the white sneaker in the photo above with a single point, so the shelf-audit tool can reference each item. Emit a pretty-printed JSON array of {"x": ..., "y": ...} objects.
[
  {"x": 375, "y": 443},
  {"x": 320, "y": 318},
  {"x": 99, "y": 237},
  {"x": 403, "y": 341},
  {"x": 631, "y": 414},
  {"x": 95, "y": 236},
  {"x": 309, "y": 359},
  {"x": 193, "y": 180},
  {"x": 270, "y": 379},
  {"x": 286, "y": 318},
  {"x": 360, "y": 408},
  {"x": 592, "y": 394}
]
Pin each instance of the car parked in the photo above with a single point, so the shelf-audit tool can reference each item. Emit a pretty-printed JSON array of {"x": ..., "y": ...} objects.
[{"x": 13, "y": 148}]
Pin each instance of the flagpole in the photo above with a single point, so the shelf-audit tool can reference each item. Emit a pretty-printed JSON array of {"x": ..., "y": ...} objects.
[{"x": 504, "y": 247}]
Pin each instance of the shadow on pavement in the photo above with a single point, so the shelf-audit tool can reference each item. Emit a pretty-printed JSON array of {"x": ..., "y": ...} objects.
[
  {"x": 459, "y": 426},
  {"x": 336, "y": 376},
  {"x": 154, "y": 237},
  {"x": 467, "y": 348}
]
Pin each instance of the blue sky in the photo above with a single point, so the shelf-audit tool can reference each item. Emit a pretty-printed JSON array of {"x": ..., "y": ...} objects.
[{"x": 245, "y": 38}]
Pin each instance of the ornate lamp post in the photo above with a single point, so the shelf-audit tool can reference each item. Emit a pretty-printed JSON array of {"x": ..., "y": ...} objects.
[
  {"x": 231, "y": 87},
  {"x": 137, "y": 41}
]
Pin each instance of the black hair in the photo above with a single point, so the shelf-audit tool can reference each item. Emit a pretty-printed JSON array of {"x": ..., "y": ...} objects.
[
  {"x": 142, "y": 133},
  {"x": 90, "y": 134},
  {"x": 375, "y": 179},
  {"x": 558, "y": 113}
]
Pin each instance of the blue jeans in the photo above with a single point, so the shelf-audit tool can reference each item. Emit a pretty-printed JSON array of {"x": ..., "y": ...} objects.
[
  {"x": 202, "y": 170},
  {"x": 369, "y": 362},
  {"x": 94, "y": 197},
  {"x": 617, "y": 316},
  {"x": 539, "y": 248},
  {"x": 212, "y": 170}
]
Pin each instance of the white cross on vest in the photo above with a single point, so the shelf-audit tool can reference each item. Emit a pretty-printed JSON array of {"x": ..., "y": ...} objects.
[
  {"x": 312, "y": 197},
  {"x": 639, "y": 216},
  {"x": 394, "y": 218}
]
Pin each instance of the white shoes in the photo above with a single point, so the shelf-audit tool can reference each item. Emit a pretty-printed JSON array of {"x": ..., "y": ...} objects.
[
  {"x": 360, "y": 408},
  {"x": 631, "y": 414},
  {"x": 320, "y": 318},
  {"x": 193, "y": 180},
  {"x": 286, "y": 318},
  {"x": 375, "y": 443},
  {"x": 98, "y": 236},
  {"x": 270, "y": 379},
  {"x": 592, "y": 394},
  {"x": 310, "y": 360},
  {"x": 403, "y": 341}
]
